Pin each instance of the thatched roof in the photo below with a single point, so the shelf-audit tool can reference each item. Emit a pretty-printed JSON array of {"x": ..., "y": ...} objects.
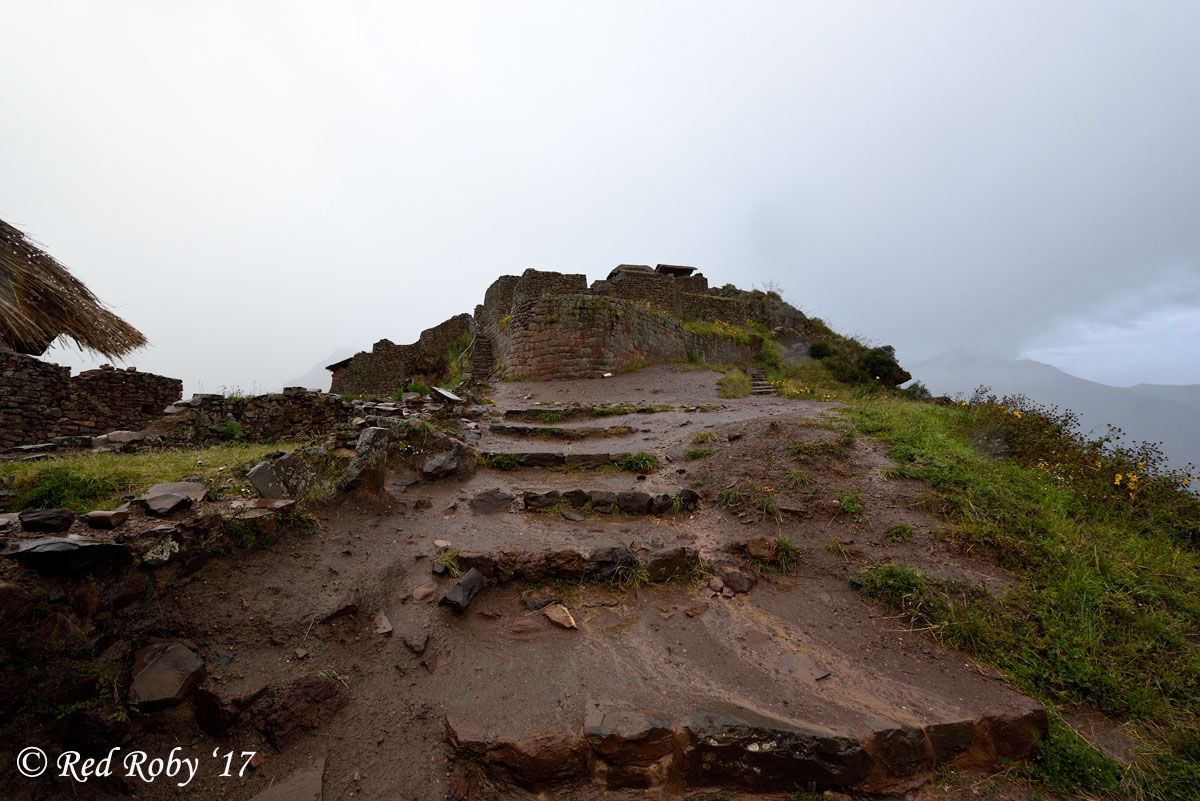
[{"x": 40, "y": 301}]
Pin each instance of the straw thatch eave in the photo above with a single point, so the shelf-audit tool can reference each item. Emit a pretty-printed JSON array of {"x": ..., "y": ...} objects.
[{"x": 40, "y": 301}]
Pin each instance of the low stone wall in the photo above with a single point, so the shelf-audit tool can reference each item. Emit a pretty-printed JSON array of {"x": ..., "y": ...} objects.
[
  {"x": 40, "y": 401},
  {"x": 387, "y": 366},
  {"x": 573, "y": 336},
  {"x": 296, "y": 413}
]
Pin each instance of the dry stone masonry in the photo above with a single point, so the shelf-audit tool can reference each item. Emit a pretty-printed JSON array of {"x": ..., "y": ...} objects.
[{"x": 41, "y": 401}]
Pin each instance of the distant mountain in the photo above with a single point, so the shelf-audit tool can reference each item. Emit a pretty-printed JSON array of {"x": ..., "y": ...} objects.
[
  {"x": 1181, "y": 393},
  {"x": 318, "y": 377},
  {"x": 1162, "y": 413}
]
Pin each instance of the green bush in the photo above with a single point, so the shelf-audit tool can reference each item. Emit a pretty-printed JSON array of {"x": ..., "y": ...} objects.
[
  {"x": 418, "y": 386},
  {"x": 734, "y": 384}
]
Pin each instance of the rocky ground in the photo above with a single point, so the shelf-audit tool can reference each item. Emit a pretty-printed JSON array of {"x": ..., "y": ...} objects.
[{"x": 613, "y": 634}]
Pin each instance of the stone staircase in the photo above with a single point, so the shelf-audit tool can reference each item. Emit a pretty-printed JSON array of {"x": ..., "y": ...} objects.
[
  {"x": 759, "y": 385},
  {"x": 482, "y": 358}
]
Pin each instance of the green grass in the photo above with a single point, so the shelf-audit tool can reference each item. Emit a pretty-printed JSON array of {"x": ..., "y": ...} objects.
[
  {"x": 734, "y": 384},
  {"x": 706, "y": 436},
  {"x": 798, "y": 479},
  {"x": 809, "y": 452},
  {"x": 897, "y": 534},
  {"x": 640, "y": 462},
  {"x": 501, "y": 461},
  {"x": 610, "y": 411},
  {"x": 698, "y": 453},
  {"x": 88, "y": 481},
  {"x": 554, "y": 415},
  {"x": 851, "y": 504},
  {"x": 731, "y": 498},
  {"x": 1108, "y": 601}
]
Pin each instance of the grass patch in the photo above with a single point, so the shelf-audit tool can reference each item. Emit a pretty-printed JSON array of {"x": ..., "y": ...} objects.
[
  {"x": 640, "y": 462},
  {"x": 501, "y": 461},
  {"x": 731, "y": 498},
  {"x": 897, "y": 534},
  {"x": 809, "y": 452},
  {"x": 610, "y": 411},
  {"x": 698, "y": 453},
  {"x": 1104, "y": 540},
  {"x": 703, "y": 437},
  {"x": 798, "y": 479},
  {"x": 554, "y": 415},
  {"x": 734, "y": 384},
  {"x": 851, "y": 504},
  {"x": 87, "y": 481}
]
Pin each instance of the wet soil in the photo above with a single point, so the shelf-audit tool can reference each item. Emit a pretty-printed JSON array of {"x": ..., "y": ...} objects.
[{"x": 801, "y": 645}]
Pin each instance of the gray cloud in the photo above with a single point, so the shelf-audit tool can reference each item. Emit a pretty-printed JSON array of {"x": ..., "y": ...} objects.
[{"x": 254, "y": 186}]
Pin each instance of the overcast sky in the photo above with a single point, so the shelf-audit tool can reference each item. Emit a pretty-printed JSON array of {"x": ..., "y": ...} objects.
[{"x": 255, "y": 185}]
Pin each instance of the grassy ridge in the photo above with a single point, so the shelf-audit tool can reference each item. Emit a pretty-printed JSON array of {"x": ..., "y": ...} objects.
[
  {"x": 87, "y": 481},
  {"x": 1104, "y": 537}
]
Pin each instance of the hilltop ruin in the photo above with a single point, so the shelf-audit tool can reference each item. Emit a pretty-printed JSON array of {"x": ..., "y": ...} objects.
[{"x": 551, "y": 325}]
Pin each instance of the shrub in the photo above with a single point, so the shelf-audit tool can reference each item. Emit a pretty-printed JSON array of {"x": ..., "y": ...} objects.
[
  {"x": 418, "y": 386},
  {"x": 734, "y": 384}
]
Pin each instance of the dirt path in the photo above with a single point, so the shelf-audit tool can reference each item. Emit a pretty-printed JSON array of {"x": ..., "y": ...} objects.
[{"x": 799, "y": 647}]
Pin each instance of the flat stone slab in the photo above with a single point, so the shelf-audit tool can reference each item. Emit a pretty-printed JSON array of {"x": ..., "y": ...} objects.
[
  {"x": 164, "y": 673},
  {"x": 194, "y": 490},
  {"x": 266, "y": 481},
  {"x": 72, "y": 555},
  {"x": 47, "y": 520}
]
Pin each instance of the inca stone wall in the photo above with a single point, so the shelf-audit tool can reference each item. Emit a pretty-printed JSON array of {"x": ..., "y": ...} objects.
[
  {"x": 382, "y": 370},
  {"x": 40, "y": 401},
  {"x": 296, "y": 413},
  {"x": 575, "y": 336}
]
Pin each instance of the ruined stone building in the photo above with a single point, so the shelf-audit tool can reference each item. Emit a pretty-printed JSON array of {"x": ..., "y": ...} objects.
[{"x": 546, "y": 325}]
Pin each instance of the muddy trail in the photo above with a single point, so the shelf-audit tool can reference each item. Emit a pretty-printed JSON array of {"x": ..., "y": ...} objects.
[{"x": 563, "y": 628}]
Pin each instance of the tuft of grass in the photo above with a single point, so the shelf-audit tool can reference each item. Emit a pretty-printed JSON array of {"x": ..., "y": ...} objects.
[
  {"x": 734, "y": 384},
  {"x": 554, "y": 415},
  {"x": 897, "y": 534},
  {"x": 798, "y": 479},
  {"x": 640, "y": 462},
  {"x": 627, "y": 577},
  {"x": 501, "y": 461},
  {"x": 787, "y": 554},
  {"x": 88, "y": 481},
  {"x": 449, "y": 558},
  {"x": 731, "y": 498},
  {"x": 706, "y": 436},
  {"x": 698, "y": 453},
  {"x": 851, "y": 503}
]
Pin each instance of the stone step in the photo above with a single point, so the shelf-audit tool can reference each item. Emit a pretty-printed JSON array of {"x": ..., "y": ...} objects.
[
  {"x": 720, "y": 744},
  {"x": 581, "y": 461},
  {"x": 554, "y": 432}
]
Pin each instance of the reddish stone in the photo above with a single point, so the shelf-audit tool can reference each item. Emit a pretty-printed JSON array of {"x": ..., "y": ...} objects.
[{"x": 309, "y": 703}]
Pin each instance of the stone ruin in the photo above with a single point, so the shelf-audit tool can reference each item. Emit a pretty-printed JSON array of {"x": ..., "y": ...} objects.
[{"x": 547, "y": 325}]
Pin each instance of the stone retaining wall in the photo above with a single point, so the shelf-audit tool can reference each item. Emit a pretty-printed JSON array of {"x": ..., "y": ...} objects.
[
  {"x": 40, "y": 401},
  {"x": 296, "y": 413}
]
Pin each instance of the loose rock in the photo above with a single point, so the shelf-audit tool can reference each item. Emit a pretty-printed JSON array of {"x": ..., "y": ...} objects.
[
  {"x": 47, "y": 520},
  {"x": 560, "y": 615},
  {"x": 164, "y": 673},
  {"x": 459, "y": 596}
]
